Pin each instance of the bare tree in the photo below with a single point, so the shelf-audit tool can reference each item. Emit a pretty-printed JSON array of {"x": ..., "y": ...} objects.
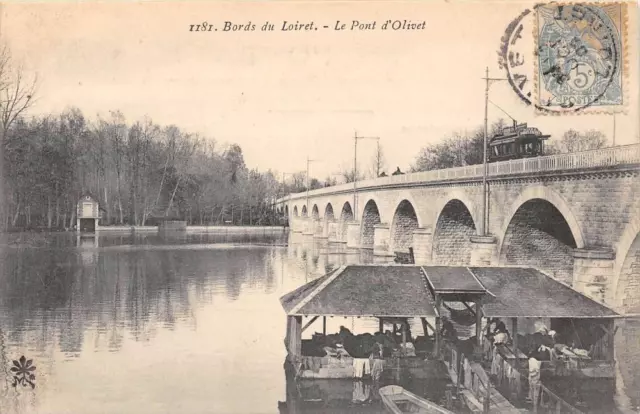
[
  {"x": 349, "y": 174},
  {"x": 16, "y": 96},
  {"x": 574, "y": 141},
  {"x": 378, "y": 162}
]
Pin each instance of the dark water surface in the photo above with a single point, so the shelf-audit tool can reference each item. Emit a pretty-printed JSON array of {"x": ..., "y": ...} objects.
[{"x": 188, "y": 324}]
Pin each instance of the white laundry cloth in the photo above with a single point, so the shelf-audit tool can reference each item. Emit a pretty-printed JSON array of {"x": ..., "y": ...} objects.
[{"x": 361, "y": 367}]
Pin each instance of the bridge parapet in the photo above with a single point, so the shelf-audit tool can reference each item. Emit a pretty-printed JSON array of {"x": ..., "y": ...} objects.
[{"x": 599, "y": 158}]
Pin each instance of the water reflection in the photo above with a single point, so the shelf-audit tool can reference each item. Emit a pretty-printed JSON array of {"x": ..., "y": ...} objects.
[{"x": 148, "y": 323}]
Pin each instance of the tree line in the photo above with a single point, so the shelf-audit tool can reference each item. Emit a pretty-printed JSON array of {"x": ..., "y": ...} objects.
[
  {"x": 462, "y": 148},
  {"x": 139, "y": 173}
]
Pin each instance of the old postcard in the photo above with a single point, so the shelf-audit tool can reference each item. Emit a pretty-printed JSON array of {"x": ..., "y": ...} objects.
[{"x": 319, "y": 207}]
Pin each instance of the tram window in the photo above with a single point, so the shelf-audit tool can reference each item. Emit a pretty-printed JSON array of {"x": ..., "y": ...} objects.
[{"x": 495, "y": 150}]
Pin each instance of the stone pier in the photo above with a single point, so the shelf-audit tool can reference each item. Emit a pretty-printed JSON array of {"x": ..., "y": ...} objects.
[
  {"x": 318, "y": 228},
  {"x": 353, "y": 234},
  {"x": 422, "y": 243},
  {"x": 592, "y": 269},
  {"x": 483, "y": 250},
  {"x": 307, "y": 227},
  {"x": 381, "y": 238},
  {"x": 333, "y": 229}
]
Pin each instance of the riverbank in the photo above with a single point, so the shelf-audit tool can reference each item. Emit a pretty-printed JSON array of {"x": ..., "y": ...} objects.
[{"x": 197, "y": 229}]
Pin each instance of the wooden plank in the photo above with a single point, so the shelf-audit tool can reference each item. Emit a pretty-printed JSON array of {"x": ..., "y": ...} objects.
[
  {"x": 438, "y": 326},
  {"x": 309, "y": 323},
  {"x": 514, "y": 333},
  {"x": 479, "y": 322},
  {"x": 469, "y": 307}
]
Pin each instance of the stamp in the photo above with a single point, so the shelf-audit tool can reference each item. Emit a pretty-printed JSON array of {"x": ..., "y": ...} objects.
[{"x": 577, "y": 61}]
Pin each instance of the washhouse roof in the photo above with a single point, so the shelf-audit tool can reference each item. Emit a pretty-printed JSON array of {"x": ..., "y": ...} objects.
[
  {"x": 381, "y": 291},
  {"x": 526, "y": 292},
  {"x": 408, "y": 291}
]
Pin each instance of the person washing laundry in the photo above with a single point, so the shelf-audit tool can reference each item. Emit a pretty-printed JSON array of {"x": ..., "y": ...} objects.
[{"x": 501, "y": 334}]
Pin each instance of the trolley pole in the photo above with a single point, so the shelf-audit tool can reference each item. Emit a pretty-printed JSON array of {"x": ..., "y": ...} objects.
[
  {"x": 355, "y": 171},
  {"x": 483, "y": 226},
  {"x": 485, "y": 185}
]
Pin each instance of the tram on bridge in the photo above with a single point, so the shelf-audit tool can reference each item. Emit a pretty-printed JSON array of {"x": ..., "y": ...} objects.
[{"x": 517, "y": 141}]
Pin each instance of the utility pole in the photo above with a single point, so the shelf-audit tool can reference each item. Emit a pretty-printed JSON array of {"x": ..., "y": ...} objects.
[
  {"x": 485, "y": 190},
  {"x": 355, "y": 171},
  {"x": 308, "y": 161},
  {"x": 614, "y": 129}
]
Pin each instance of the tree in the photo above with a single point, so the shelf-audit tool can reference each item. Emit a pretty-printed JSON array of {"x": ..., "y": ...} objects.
[
  {"x": 457, "y": 150},
  {"x": 16, "y": 97},
  {"x": 575, "y": 141},
  {"x": 330, "y": 181},
  {"x": 233, "y": 156},
  {"x": 314, "y": 184},
  {"x": 349, "y": 174},
  {"x": 378, "y": 162}
]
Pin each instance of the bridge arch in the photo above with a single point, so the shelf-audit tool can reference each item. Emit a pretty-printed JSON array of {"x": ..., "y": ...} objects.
[
  {"x": 454, "y": 227},
  {"x": 286, "y": 211},
  {"x": 329, "y": 229},
  {"x": 404, "y": 222},
  {"x": 328, "y": 212},
  {"x": 370, "y": 217},
  {"x": 304, "y": 211},
  {"x": 540, "y": 230},
  {"x": 346, "y": 216},
  {"x": 626, "y": 283},
  {"x": 295, "y": 211},
  {"x": 315, "y": 213}
]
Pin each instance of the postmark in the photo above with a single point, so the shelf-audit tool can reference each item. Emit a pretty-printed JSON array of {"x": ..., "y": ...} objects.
[{"x": 577, "y": 61}]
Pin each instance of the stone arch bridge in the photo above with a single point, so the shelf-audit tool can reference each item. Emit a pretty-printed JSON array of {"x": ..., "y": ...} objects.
[{"x": 574, "y": 216}]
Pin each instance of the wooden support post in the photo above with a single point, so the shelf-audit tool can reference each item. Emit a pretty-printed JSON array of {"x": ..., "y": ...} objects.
[
  {"x": 514, "y": 336},
  {"x": 460, "y": 372},
  {"x": 381, "y": 325},
  {"x": 487, "y": 398},
  {"x": 404, "y": 338},
  {"x": 295, "y": 335},
  {"x": 438, "y": 327},
  {"x": 324, "y": 325},
  {"x": 479, "y": 322}
]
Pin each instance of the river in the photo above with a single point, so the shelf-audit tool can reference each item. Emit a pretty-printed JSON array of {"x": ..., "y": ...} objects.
[{"x": 169, "y": 324}]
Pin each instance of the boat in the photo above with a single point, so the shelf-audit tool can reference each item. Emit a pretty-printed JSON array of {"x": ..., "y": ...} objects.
[{"x": 399, "y": 401}]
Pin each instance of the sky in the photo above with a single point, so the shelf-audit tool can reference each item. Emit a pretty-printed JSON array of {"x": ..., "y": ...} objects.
[{"x": 285, "y": 96}]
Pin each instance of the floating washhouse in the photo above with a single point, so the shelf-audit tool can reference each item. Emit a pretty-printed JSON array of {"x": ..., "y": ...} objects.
[{"x": 394, "y": 294}]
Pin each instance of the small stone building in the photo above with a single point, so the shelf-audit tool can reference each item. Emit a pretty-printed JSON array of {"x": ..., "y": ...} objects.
[{"x": 88, "y": 214}]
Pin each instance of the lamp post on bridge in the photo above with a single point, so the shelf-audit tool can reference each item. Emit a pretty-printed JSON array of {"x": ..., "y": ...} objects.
[
  {"x": 485, "y": 218},
  {"x": 355, "y": 170},
  {"x": 307, "y": 202}
]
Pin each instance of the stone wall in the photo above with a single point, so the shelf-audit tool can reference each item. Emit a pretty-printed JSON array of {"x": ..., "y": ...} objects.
[
  {"x": 370, "y": 218},
  {"x": 630, "y": 272},
  {"x": 452, "y": 238},
  {"x": 402, "y": 227},
  {"x": 539, "y": 236}
]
